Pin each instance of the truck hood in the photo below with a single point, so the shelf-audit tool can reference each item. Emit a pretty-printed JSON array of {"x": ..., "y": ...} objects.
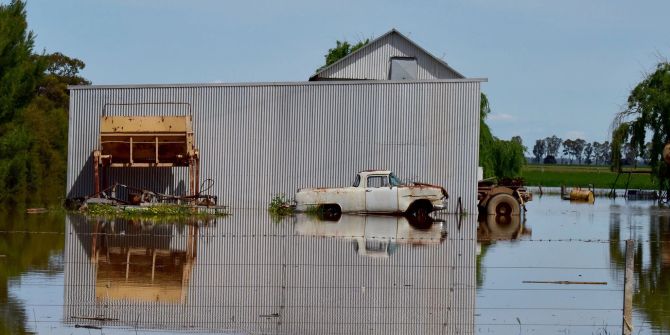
[{"x": 444, "y": 192}]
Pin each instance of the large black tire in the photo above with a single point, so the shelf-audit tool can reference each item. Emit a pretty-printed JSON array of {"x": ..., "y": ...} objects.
[
  {"x": 504, "y": 205},
  {"x": 330, "y": 212},
  {"x": 418, "y": 215}
]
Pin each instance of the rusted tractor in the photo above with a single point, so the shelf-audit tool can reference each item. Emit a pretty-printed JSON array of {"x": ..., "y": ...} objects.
[{"x": 506, "y": 198}]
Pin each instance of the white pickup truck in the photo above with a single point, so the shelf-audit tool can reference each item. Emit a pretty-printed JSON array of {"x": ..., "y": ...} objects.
[{"x": 374, "y": 191}]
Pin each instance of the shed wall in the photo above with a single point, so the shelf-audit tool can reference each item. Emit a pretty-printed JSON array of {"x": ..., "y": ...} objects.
[
  {"x": 259, "y": 140},
  {"x": 374, "y": 61}
]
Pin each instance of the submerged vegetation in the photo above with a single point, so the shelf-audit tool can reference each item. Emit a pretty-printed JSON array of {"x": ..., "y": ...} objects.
[
  {"x": 156, "y": 213},
  {"x": 280, "y": 207}
]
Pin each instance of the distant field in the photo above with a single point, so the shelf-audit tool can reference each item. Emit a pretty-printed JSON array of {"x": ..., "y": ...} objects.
[{"x": 581, "y": 175}]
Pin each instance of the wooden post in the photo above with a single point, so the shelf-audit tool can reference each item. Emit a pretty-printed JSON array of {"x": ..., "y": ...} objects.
[
  {"x": 627, "y": 326},
  {"x": 96, "y": 172}
]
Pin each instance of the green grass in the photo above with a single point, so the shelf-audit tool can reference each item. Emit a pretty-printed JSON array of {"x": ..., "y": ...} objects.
[
  {"x": 582, "y": 175},
  {"x": 280, "y": 207}
]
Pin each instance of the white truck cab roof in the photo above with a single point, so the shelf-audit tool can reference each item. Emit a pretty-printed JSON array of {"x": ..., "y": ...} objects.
[{"x": 366, "y": 173}]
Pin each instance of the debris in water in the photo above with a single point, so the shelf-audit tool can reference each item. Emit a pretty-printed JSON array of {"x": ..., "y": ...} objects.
[
  {"x": 97, "y": 318},
  {"x": 565, "y": 282},
  {"x": 36, "y": 210}
]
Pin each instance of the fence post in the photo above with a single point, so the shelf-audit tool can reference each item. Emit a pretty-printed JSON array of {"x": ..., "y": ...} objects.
[{"x": 627, "y": 326}]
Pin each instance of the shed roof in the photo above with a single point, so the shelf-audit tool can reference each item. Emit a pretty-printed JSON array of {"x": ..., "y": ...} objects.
[{"x": 330, "y": 72}]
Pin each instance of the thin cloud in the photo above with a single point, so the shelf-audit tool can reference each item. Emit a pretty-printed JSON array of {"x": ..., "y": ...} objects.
[
  {"x": 501, "y": 117},
  {"x": 575, "y": 134}
]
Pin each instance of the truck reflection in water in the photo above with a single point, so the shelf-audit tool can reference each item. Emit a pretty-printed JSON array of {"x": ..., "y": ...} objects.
[
  {"x": 248, "y": 274},
  {"x": 374, "y": 235}
]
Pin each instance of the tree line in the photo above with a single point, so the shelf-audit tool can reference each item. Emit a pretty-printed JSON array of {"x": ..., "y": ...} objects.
[
  {"x": 548, "y": 150},
  {"x": 34, "y": 103}
]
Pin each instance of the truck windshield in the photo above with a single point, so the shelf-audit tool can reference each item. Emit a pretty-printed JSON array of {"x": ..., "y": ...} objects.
[
  {"x": 357, "y": 181},
  {"x": 394, "y": 181}
]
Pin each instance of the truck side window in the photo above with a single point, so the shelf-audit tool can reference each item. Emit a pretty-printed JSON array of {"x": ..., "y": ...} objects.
[{"x": 378, "y": 181}]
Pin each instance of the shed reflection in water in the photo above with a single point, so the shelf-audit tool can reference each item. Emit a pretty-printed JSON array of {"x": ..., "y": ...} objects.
[
  {"x": 248, "y": 274},
  {"x": 136, "y": 261}
]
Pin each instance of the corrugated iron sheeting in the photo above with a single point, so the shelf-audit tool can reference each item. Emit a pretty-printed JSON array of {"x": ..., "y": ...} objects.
[
  {"x": 255, "y": 275},
  {"x": 259, "y": 140},
  {"x": 373, "y": 63}
]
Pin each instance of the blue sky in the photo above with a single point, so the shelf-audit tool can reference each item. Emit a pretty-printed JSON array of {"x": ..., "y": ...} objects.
[{"x": 554, "y": 67}]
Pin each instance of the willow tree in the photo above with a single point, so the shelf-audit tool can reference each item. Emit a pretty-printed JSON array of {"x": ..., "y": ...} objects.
[
  {"x": 499, "y": 158},
  {"x": 647, "y": 114}
]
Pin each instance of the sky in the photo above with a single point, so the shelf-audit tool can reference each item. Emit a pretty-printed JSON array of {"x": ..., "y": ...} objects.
[{"x": 560, "y": 68}]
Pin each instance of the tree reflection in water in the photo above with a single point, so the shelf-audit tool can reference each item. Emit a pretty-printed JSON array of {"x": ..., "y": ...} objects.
[
  {"x": 652, "y": 265},
  {"x": 24, "y": 252}
]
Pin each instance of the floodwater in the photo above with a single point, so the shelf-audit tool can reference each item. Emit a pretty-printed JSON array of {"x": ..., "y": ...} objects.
[{"x": 247, "y": 273}]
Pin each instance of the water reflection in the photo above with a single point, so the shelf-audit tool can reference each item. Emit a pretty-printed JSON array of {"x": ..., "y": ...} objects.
[
  {"x": 21, "y": 252},
  {"x": 652, "y": 261},
  {"x": 493, "y": 228},
  {"x": 248, "y": 274},
  {"x": 140, "y": 261},
  {"x": 374, "y": 235}
]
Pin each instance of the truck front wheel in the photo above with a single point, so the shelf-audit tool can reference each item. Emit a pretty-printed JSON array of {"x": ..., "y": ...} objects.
[{"x": 421, "y": 210}]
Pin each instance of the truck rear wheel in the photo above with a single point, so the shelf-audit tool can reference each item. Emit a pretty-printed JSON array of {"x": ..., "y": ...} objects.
[{"x": 503, "y": 204}]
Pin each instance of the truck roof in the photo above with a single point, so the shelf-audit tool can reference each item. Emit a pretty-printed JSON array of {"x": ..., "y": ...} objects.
[{"x": 367, "y": 172}]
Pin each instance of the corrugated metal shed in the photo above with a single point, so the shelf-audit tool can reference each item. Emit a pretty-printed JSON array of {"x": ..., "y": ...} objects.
[
  {"x": 373, "y": 61},
  {"x": 253, "y": 275},
  {"x": 258, "y": 140}
]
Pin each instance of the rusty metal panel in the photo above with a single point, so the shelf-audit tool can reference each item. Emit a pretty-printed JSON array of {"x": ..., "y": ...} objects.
[
  {"x": 145, "y": 124},
  {"x": 253, "y": 275},
  {"x": 259, "y": 140},
  {"x": 373, "y": 62},
  {"x": 147, "y": 140}
]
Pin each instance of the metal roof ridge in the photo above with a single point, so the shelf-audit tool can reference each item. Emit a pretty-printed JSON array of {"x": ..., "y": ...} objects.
[{"x": 287, "y": 83}]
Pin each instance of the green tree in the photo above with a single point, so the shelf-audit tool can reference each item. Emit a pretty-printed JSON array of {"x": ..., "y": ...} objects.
[
  {"x": 647, "y": 110},
  {"x": 20, "y": 70},
  {"x": 341, "y": 50},
  {"x": 498, "y": 158},
  {"x": 539, "y": 149},
  {"x": 486, "y": 139},
  {"x": 34, "y": 105}
]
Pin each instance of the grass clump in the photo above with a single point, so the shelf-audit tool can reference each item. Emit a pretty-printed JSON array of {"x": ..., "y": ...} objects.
[{"x": 280, "y": 207}]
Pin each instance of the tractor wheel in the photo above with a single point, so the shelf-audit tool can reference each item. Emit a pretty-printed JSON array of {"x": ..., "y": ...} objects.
[{"x": 504, "y": 205}]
